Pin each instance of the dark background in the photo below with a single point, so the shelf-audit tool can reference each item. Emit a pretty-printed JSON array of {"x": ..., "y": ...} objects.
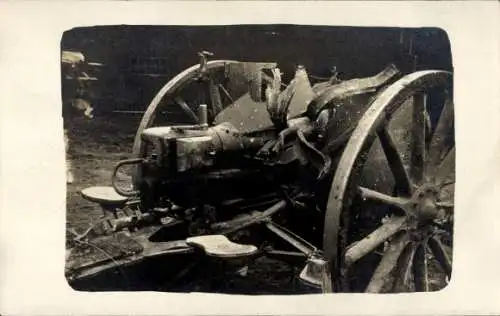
[{"x": 140, "y": 59}]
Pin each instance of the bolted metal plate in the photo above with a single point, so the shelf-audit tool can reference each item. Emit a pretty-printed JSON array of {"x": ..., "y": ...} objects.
[
  {"x": 246, "y": 115},
  {"x": 246, "y": 77},
  {"x": 346, "y": 114}
]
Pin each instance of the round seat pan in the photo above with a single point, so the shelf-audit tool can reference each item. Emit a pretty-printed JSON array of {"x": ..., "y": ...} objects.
[{"x": 103, "y": 195}]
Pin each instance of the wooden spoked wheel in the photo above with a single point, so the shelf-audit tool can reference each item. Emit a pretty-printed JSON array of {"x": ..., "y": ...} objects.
[
  {"x": 185, "y": 92},
  {"x": 396, "y": 238},
  {"x": 182, "y": 91}
]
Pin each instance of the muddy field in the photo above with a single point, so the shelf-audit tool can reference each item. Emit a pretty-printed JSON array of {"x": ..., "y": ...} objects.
[{"x": 95, "y": 147}]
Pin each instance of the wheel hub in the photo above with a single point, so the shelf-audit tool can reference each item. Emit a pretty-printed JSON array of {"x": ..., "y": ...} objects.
[
  {"x": 425, "y": 203},
  {"x": 425, "y": 213}
]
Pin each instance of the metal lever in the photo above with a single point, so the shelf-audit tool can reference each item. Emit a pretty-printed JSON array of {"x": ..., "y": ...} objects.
[
  {"x": 127, "y": 193},
  {"x": 203, "y": 62},
  {"x": 317, "y": 273}
]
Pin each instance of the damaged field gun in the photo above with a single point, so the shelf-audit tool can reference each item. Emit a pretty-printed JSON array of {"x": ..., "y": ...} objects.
[{"x": 352, "y": 181}]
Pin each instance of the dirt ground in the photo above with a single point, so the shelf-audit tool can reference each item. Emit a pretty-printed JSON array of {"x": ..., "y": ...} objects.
[{"x": 95, "y": 147}]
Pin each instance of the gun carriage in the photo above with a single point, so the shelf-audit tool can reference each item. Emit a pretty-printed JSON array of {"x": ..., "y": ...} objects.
[{"x": 352, "y": 181}]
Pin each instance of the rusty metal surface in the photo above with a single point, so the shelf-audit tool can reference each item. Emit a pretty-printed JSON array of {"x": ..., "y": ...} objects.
[
  {"x": 246, "y": 115},
  {"x": 227, "y": 137},
  {"x": 194, "y": 152},
  {"x": 351, "y": 87},
  {"x": 246, "y": 77}
]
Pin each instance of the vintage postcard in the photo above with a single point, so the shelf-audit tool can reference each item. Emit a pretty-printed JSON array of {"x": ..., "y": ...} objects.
[{"x": 250, "y": 157}]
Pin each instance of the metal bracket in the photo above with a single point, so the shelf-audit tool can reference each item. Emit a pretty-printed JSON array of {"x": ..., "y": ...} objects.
[{"x": 317, "y": 273}]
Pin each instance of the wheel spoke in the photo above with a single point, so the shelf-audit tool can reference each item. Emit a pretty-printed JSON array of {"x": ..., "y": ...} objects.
[
  {"x": 369, "y": 194},
  {"x": 404, "y": 281},
  {"x": 439, "y": 252},
  {"x": 403, "y": 182},
  {"x": 226, "y": 93},
  {"x": 446, "y": 198},
  {"x": 420, "y": 269},
  {"x": 445, "y": 204},
  {"x": 384, "y": 274},
  {"x": 441, "y": 141},
  {"x": 418, "y": 147},
  {"x": 215, "y": 96},
  {"x": 445, "y": 172},
  {"x": 186, "y": 108},
  {"x": 444, "y": 176},
  {"x": 366, "y": 245}
]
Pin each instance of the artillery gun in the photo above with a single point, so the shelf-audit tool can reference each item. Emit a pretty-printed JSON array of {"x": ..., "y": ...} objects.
[{"x": 352, "y": 181}]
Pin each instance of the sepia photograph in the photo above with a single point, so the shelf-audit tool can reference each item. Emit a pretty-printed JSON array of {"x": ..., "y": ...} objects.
[{"x": 258, "y": 159}]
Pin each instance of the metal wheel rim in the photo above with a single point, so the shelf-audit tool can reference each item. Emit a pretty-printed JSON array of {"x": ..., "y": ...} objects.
[
  {"x": 383, "y": 107},
  {"x": 166, "y": 91}
]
